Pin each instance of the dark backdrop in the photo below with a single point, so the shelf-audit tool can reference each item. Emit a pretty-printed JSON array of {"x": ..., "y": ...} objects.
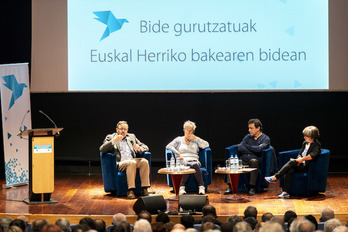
[{"x": 157, "y": 118}]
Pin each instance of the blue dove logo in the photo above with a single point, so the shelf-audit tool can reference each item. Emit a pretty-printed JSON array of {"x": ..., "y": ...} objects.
[
  {"x": 112, "y": 23},
  {"x": 17, "y": 89}
]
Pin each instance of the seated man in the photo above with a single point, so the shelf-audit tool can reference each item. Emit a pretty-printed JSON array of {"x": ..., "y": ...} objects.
[
  {"x": 250, "y": 151},
  {"x": 125, "y": 145}
]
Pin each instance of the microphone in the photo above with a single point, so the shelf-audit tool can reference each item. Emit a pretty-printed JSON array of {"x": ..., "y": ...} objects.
[
  {"x": 55, "y": 126},
  {"x": 20, "y": 128}
]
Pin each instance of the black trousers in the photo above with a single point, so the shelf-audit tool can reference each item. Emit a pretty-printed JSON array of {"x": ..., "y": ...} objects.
[{"x": 288, "y": 170}]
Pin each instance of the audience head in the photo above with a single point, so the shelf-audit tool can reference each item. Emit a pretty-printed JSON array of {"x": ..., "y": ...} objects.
[
  {"x": 341, "y": 229},
  {"x": 306, "y": 226},
  {"x": 118, "y": 228},
  {"x": 169, "y": 226},
  {"x": 279, "y": 220},
  {"x": 289, "y": 214},
  {"x": 295, "y": 223},
  {"x": 270, "y": 226},
  {"x": 327, "y": 214},
  {"x": 209, "y": 210},
  {"x": 126, "y": 225},
  {"x": 25, "y": 219},
  {"x": 234, "y": 219},
  {"x": 207, "y": 218},
  {"x": 144, "y": 215},
  {"x": 207, "y": 226},
  {"x": 331, "y": 224},
  {"x": 311, "y": 132},
  {"x": 258, "y": 226},
  {"x": 64, "y": 224},
  {"x": 118, "y": 218},
  {"x": 52, "y": 228},
  {"x": 252, "y": 222},
  {"x": 178, "y": 228},
  {"x": 18, "y": 222},
  {"x": 142, "y": 225},
  {"x": 187, "y": 221},
  {"x": 158, "y": 227},
  {"x": 242, "y": 227},
  {"x": 38, "y": 225},
  {"x": 14, "y": 229},
  {"x": 226, "y": 227},
  {"x": 80, "y": 228},
  {"x": 289, "y": 224},
  {"x": 250, "y": 211},
  {"x": 100, "y": 225},
  {"x": 312, "y": 219},
  {"x": 5, "y": 222},
  {"x": 162, "y": 217},
  {"x": 266, "y": 217},
  {"x": 191, "y": 230},
  {"x": 88, "y": 221}
]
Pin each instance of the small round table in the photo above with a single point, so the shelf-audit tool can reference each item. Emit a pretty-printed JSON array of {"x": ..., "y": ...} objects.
[
  {"x": 234, "y": 179},
  {"x": 176, "y": 178}
]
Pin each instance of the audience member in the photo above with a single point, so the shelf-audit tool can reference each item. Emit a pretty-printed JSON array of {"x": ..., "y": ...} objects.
[
  {"x": 64, "y": 224},
  {"x": 327, "y": 214},
  {"x": 126, "y": 225},
  {"x": 118, "y": 218},
  {"x": 14, "y": 229},
  {"x": 270, "y": 226},
  {"x": 207, "y": 219},
  {"x": 266, "y": 217},
  {"x": 278, "y": 220},
  {"x": 18, "y": 222},
  {"x": 162, "y": 217},
  {"x": 312, "y": 219},
  {"x": 118, "y": 228},
  {"x": 169, "y": 226},
  {"x": 52, "y": 228},
  {"x": 289, "y": 224},
  {"x": 306, "y": 226},
  {"x": 89, "y": 222},
  {"x": 234, "y": 219},
  {"x": 190, "y": 230},
  {"x": 187, "y": 220},
  {"x": 158, "y": 227},
  {"x": 142, "y": 225},
  {"x": 295, "y": 223},
  {"x": 145, "y": 215},
  {"x": 258, "y": 226},
  {"x": 80, "y": 228},
  {"x": 331, "y": 224},
  {"x": 5, "y": 222},
  {"x": 25, "y": 219},
  {"x": 252, "y": 222},
  {"x": 242, "y": 227},
  {"x": 289, "y": 214},
  {"x": 341, "y": 229},
  {"x": 208, "y": 210},
  {"x": 100, "y": 225},
  {"x": 38, "y": 225},
  {"x": 208, "y": 226},
  {"x": 226, "y": 227},
  {"x": 250, "y": 211}
]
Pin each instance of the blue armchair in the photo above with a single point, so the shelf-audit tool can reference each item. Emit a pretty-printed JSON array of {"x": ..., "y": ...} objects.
[
  {"x": 266, "y": 167},
  {"x": 116, "y": 181},
  {"x": 311, "y": 182},
  {"x": 205, "y": 158}
]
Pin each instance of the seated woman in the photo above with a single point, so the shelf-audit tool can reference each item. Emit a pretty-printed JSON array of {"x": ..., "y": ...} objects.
[
  {"x": 187, "y": 148},
  {"x": 310, "y": 150}
]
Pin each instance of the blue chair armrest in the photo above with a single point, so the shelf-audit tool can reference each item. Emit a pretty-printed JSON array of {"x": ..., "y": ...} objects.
[
  {"x": 205, "y": 158},
  {"x": 318, "y": 171},
  {"x": 285, "y": 156},
  {"x": 109, "y": 171},
  {"x": 266, "y": 162}
]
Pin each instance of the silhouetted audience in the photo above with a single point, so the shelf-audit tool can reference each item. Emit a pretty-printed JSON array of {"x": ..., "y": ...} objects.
[
  {"x": 226, "y": 227},
  {"x": 208, "y": 210},
  {"x": 64, "y": 224},
  {"x": 207, "y": 226},
  {"x": 234, "y": 219},
  {"x": 118, "y": 218},
  {"x": 18, "y": 222},
  {"x": 100, "y": 225},
  {"x": 312, "y": 219},
  {"x": 142, "y": 225},
  {"x": 242, "y": 227},
  {"x": 326, "y": 215},
  {"x": 145, "y": 215},
  {"x": 187, "y": 221},
  {"x": 266, "y": 217},
  {"x": 270, "y": 226},
  {"x": 250, "y": 211},
  {"x": 162, "y": 217},
  {"x": 5, "y": 223},
  {"x": 251, "y": 221},
  {"x": 158, "y": 227},
  {"x": 39, "y": 224},
  {"x": 331, "y": 224}
]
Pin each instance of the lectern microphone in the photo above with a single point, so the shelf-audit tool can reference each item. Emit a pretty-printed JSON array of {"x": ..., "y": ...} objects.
[
  {"x": 55, "y": 126},
  {"x": 20, "y": 128}
]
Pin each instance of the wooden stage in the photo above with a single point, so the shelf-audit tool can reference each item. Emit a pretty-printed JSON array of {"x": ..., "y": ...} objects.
[{"x": 80, "y": 195}]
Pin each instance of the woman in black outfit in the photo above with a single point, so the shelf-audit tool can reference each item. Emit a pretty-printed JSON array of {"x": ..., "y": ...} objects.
[{"x": 310, "y": 150}]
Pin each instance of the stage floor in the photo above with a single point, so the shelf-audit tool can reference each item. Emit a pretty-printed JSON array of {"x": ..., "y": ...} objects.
[{"x": 84, "y": 195}]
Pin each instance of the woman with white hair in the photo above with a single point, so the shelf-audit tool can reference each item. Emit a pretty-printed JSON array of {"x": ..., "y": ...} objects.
[
  {"x": 187, "y": 148},
  {"x": 310, "y": 150}
]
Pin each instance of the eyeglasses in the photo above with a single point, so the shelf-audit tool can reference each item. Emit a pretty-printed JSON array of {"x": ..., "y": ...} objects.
[{"x": 123, "y": 129}]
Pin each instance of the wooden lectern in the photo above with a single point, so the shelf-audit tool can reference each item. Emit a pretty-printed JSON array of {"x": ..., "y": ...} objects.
[{"x": 41, "y": 164}]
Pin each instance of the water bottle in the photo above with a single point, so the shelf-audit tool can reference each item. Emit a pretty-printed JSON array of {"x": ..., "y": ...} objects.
[
  {"x": 172, "y": 163},
  {"x": 178, "y": 163},
  {"x": 236, "y": 163},
  {"x": 231, "y": 163}
]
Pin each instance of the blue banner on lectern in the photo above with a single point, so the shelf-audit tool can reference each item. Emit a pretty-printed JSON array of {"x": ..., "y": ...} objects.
[{"x": 15, "y": 104}]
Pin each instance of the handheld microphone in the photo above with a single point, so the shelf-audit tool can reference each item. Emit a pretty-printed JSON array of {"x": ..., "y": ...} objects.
[
  {"x": 55, "y": 126},
  {"x": 20, "y": 128}
]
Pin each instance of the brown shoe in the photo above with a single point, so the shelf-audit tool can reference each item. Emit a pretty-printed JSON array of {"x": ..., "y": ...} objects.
[
  {"x": 130, "y": 194},
  {"x": 144, "y": 192}
]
